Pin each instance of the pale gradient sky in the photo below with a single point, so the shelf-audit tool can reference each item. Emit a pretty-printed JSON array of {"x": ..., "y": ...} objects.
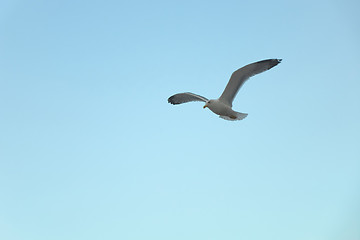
[{"x": 90, "y": 148}]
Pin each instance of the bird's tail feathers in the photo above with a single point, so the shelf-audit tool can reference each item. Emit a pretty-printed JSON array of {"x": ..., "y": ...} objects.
[{"x": 239, "y": 116}]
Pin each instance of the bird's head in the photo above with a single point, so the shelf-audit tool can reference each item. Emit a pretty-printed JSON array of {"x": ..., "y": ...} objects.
[{"x": 208, "y": 103}]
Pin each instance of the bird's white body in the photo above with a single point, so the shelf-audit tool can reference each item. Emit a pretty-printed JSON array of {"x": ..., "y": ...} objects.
[{"x": 224, "y": 110}]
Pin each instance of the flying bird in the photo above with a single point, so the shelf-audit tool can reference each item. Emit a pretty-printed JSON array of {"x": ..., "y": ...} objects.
[{"x": 223, "y": 105}]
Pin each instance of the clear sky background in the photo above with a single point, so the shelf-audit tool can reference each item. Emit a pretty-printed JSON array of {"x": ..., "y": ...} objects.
[{"x": 90, "y": 148}]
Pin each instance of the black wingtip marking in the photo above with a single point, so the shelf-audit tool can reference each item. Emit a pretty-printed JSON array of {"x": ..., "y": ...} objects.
[{"x": 171, "y": 100}]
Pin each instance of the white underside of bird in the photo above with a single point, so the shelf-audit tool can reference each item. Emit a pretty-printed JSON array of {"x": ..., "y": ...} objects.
[
  {"x": 223, "y": 105},
  {"x": 224, "y": 110}
]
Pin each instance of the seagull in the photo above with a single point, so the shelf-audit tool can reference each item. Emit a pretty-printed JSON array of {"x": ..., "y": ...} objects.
[{"x": 223, "y": 105}]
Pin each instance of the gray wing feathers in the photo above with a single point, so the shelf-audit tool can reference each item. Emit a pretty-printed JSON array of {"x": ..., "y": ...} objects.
[
  {"x": 238, "y": 78},
  {"x": 186, "y": 97}
]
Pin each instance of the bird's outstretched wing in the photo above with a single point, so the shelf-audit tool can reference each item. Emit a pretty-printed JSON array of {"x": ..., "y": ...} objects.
[
  {"x": 186, "y": 97},
  {"x": 238, "y": 78}
]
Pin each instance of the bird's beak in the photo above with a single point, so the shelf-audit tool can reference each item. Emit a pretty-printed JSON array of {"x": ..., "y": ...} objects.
[{"x": 205, "y": 106}]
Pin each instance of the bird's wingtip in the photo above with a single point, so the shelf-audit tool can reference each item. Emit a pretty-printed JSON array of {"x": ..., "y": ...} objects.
[{"x": 170, "y": 100}]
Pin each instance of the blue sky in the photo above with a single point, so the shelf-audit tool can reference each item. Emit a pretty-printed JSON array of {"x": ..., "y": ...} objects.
[{"x": 90, "y": 148}]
